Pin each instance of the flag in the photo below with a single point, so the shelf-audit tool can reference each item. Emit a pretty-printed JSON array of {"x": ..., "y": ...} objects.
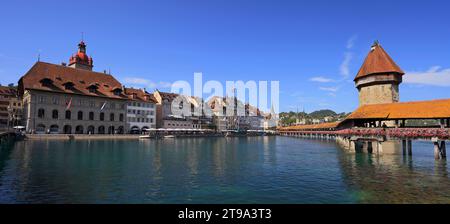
[
  {"x": 69, "y": 104},
  {"x": 103, "y": 106}
]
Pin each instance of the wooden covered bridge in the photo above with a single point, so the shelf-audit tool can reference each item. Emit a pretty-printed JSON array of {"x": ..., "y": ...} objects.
[{"x": 370, "y": 126}]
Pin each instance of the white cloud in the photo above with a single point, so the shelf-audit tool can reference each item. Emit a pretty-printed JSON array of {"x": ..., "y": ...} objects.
[
  {"x": 435, "y": 76},
  {"x": 344, "y": 69},
  {"x": 146, "y": 83},
  {"x": 329, "y": 89},
  {"x": 320, "y": 79},
  {"x": 351, "y": 42},
  {"x": 332, "y": 94}
]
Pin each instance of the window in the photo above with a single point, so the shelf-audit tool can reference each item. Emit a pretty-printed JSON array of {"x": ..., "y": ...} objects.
[
  {"x": 41, "y": 99},
  {"x": 92, "y": 89},
  {"x": 68, "y": 114},
  {"x": 55, "y": 100},
  {"x": 69, "y": 85},
  {"x": 91, "y": 116},
  {"x": 80, "y": 115},
  {"x": 151, "y": 120},
  {"x": 55, "y": 114},
  {"x": 117, "y": 92},
  {"x": 102, "y": 116},
  {"x": 151, "y": 113},
  {"x": 121, "y": 117},
  {"x": 111, "y": 117},
  {"x": 41, "y": 113}
]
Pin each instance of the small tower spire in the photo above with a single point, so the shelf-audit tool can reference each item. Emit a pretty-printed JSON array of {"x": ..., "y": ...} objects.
[
  {"x": 81, "y": 60},
  {"x": 375, "y": 44}
]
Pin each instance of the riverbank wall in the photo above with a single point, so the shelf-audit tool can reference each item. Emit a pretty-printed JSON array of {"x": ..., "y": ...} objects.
[
  {"x": 79, "y": 137},
  {"x": 115, "y": 137}
]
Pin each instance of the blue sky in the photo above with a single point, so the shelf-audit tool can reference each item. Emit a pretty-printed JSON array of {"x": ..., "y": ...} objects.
[{"x": 314, "y": 48}]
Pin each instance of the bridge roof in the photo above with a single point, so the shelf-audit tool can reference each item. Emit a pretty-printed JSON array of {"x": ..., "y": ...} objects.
[
  {"x": 312, "y": 126},
  {"x": 431, "y": 109}
]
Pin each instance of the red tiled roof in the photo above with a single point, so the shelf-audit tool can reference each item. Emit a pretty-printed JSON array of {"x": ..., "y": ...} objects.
[
  {"x": 431, "y": 109},
  {"x": 59, "y": 75},
  {"x": 168, "y": 96},
  {"x": 331, "y": 125},
  {"x": 141, "y": 95},
  {"x": 378, "y": 61},
  {"x": 6, "y": 90}
]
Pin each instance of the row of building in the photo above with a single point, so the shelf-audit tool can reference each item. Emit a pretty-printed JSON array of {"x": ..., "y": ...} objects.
[{"x": 73, "y": 99}]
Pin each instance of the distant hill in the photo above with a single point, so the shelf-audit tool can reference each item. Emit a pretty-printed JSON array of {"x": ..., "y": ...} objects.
[
  {"x": 288, "y": 118},
  {"x": 322, "y": 114}
]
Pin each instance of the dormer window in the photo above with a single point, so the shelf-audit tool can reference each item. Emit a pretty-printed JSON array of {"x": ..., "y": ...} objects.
[
  {"x": 46, "y": 82},
  {"x": 134, "y": 96},
  {"x": 69, "y": 85},
  {"x": 117, "y": 91},
  {"x": 92, "y": 88}
]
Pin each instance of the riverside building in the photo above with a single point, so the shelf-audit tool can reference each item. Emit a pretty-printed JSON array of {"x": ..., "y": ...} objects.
[
  {"x": 10, "y": 107},
  {"x": 141, "y": 110},
  {"x": 72, "y": 99}
]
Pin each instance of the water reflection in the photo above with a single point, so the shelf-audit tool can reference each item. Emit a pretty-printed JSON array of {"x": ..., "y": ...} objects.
[
  {"x": 397, "y": 178},
  {"x": 216, "y": 170}
]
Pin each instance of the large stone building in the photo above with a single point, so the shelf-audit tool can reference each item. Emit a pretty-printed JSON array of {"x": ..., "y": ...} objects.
[
  {"x": 72, "y": 99},
  {"x": 378, "y": 79},
  {"x": 141, "y": 110}
]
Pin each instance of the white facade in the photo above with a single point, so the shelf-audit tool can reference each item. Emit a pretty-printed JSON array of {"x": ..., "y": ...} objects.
[{"x": 141, "y": 115}]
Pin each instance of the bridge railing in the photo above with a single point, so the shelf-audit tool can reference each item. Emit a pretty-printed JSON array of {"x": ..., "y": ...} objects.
[{"x": 409, "y": 133}]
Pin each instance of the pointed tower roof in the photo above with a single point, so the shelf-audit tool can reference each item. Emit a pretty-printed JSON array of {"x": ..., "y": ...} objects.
[{"x": 378, "y": 61}]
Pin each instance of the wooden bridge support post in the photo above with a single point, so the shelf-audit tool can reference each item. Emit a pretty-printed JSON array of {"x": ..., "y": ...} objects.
[
  {"x": 409, "y": 148},
  {"x": 404, "y": 146},
  {"x": 370, "y": 147},
  {"x": 442, "y": 123},
  {"x": 443, "y": 150},
  {"x": 437, "y": 151},
  {"x": 440, "y": 151}
]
